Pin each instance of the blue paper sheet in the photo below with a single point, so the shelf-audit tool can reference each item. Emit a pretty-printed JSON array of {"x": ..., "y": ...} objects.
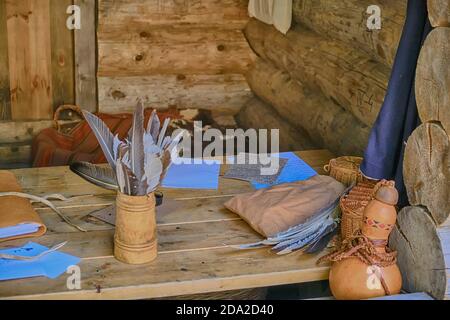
[
  {"x": 295, "y": 170},
  {"x": 51, "y": 265},
  {"x": 202, "y": 175},
  {"x": 18, "y": 230}
]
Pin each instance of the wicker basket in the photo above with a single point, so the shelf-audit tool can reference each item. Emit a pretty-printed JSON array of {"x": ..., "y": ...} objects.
[
  {"x": 352, "y": 216},
  {"x": 353, "y": 205},
  {"x": 345, "y": 170}
]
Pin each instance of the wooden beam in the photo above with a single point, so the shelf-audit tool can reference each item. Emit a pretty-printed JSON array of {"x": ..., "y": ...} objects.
[
  {"x": 13, "y": 154},
  {"x": 346, "y": 20},
  {"x": 165, "y": 50},
  {"x": 343, "y": 73},
  {"x": 25, "y": 131},
  {"x": 29, "y": 46},
  {"x": 423, "y": 249},
  {"x": 86, "y": 56},
  {"x": 5, "y": 99},
  {"x": 439, "y": 13},
  {"x": 224, "y": 93},
  {"x": 257, "y": 114},
  {"x": 326, "y": 122},
  {"x": 426, "y": 170},
  {"x": 228, "y": 13},
  {"x": 433, "y": 78},
  {"x": 62, "y": 54}
]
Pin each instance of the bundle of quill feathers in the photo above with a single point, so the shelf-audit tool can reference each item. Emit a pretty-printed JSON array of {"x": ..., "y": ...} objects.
[
  {"x": 139, "y": 163},
  {"x": 309, "y": 237}
]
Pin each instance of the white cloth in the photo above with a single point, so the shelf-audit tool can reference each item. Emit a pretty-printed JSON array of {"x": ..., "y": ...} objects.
[{"x": 275, "y": 12}]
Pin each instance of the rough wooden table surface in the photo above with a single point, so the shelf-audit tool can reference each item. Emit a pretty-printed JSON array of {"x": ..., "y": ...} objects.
[{"x": 194, "y": 231}]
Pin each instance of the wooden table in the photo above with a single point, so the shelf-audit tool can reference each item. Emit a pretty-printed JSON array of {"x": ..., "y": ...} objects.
[{"x": 194, "y": 231}]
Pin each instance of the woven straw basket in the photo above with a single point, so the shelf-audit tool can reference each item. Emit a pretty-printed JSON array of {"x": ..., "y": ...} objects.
[
  {"x": 345, "y": 170},
  {"x": 352, "y": 207}
]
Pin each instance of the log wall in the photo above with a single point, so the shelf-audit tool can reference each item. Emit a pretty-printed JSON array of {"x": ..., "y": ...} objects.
[
  {"x": 187, "y": 54},
  {"x": 422, "y": 233},
  {"x": 329, "y": 74},
  {"x": 346, "y": 20}
]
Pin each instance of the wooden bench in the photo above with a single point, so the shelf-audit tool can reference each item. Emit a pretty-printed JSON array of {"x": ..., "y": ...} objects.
[{"x": 194, "y": 231}]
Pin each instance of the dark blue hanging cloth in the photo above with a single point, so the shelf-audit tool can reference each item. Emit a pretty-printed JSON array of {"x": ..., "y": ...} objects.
[{"x": 383, "y": 158}]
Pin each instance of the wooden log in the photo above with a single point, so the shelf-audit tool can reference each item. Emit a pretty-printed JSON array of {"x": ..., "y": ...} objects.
[
  {"x": 426, "y": 170},
  {"x": 229, "y": 13},
  {"x": 62, "y": 54},
  {"x": 215, "y": 52},
  {"x": 259, "y": 115},
  {"x": 439, "y": 13},
  {"x": 346, "y": 20},
  {"x": 343, "y": 73},
  {"x": 86, "y": 57},
  {"x": 433, "y": 78},
  {"x": 149, "y": 33},
  {"x": 15, "y": 154},
  {"x": 5, "y": 99},
  {"x": 29, "y": 55},
  {"x": 222, "y": 93},
  {"x": 24, "y": 131},
  {"x": 423, "y": 249},
  {"x": 326, "y": 122}
]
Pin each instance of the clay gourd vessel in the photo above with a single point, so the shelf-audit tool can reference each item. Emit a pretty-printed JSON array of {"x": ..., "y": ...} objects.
[
  {"x": 135, "y": 240},
  {"x": 352, "y": 279}
]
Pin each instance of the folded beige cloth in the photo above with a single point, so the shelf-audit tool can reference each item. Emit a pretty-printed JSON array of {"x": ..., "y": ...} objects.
[
  {"x": 275, "y": 12},
  {"x": 271, "y": 211}
]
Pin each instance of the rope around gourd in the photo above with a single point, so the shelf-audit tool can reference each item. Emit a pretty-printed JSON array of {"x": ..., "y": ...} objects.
[
  {"x": 361, "y": 247},
  {"x": 46, "y": 202}
]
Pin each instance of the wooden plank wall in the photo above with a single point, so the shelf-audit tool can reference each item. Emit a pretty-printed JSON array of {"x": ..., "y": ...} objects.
[
  {"x": 86, "y": 56},
  {"x": 62, "y": 54},
  {"x": 5, "y": 102},
  {"x": 36, "y": 72},
  {"x": 184, "y": 54},
  {"x": 29, "y": 52}
]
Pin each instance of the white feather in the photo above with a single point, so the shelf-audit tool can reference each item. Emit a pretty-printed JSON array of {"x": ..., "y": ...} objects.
[
  {"x": 117, "y": 143},
  {"x": 153, "y": 169},
  {"x": 162, "y": 134}
]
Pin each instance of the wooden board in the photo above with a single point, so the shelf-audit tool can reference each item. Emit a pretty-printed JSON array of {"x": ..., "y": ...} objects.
[
  {"x": 29, "y": 59},
  {"x": 187, "y": 54},
  {"x": 346, "y": 20},
  {"x": 343, "y": 73},
  {"x": 433, "y": 78},
  {"x": 423, "y": 251},
  {"x": 426, "y": 170},
  {"x": 194, "y": 257},
  {"x": 439, "y": 13},
  {"x": 86, "y": 57},
  {"x": 224, "y": 93},
  {"x": 229, "y": 13},
  {"x": 25, "y": 131},
  {"x": 325, "y": 121},
  {"x": 5, "y": 100},
  {"x": 212, "y": 54},
  {"x": 15, "y": 153},
  {"x": 62, "y": 54}
]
